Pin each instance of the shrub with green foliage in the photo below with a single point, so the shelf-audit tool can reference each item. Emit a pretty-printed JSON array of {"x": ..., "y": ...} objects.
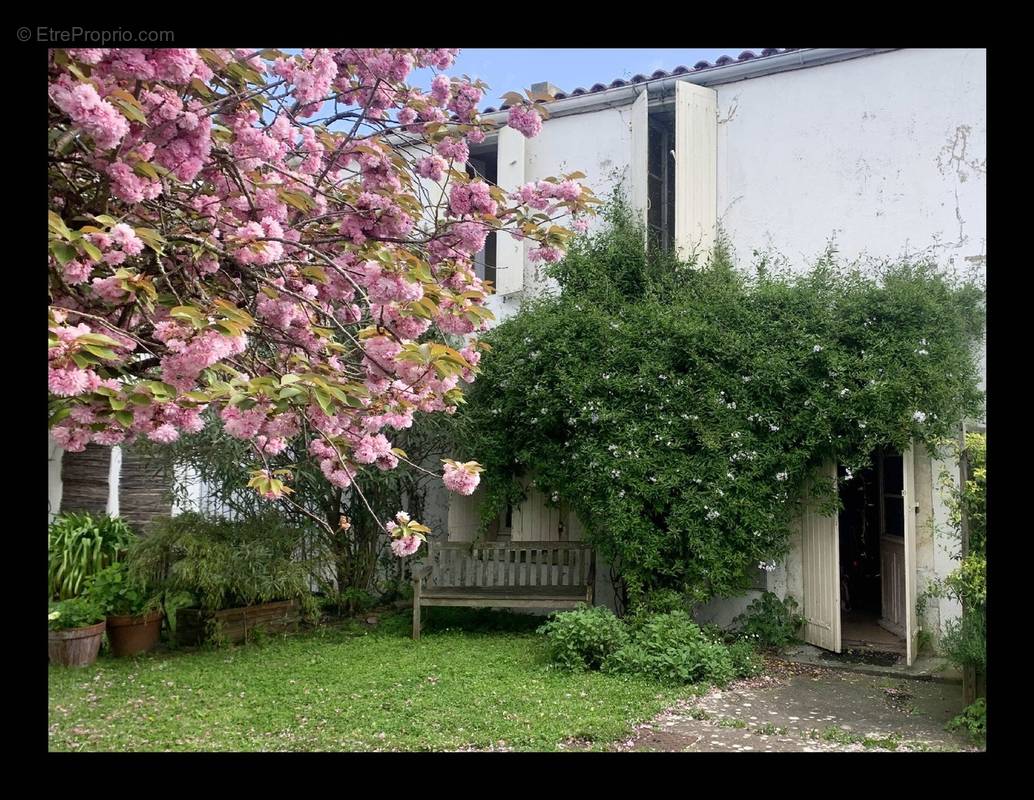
[
  {"x": 81, "y": 545},
  {"x": 584, "y": 638},
  {"x": 972, "y": 720},
  {"x": 671, "y": 648},
  {"x": 118, "y": 593},
  {"x": 680, "y": 408},
  {"x": 222, "y": 563},
  {"x": 965, "y": 639},
  {"x": 746, "y": 663},
  {"x": 770, "y": 622},
  {"x": 76, "y": 612}
]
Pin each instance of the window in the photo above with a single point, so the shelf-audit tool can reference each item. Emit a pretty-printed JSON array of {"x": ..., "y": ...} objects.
[
  {"x": 660, "y": 217},
  {"x": 483, "y": 165}
]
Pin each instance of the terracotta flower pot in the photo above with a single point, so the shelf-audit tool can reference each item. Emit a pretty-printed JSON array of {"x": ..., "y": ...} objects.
[
  {"x": 76, "y": 647},
  {"x": 130, "y": 635}
]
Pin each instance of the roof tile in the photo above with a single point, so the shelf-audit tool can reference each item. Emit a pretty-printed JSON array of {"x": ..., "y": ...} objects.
[{"x": 723, "y": 61}]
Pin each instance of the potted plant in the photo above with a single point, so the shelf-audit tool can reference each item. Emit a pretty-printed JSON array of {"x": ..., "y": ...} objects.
[
  {"x": 80, "y": 545},
  {"x": 134, "y": 615},
  {"x": 76, "y": 629},
  {"x": 243, "y": 575}
]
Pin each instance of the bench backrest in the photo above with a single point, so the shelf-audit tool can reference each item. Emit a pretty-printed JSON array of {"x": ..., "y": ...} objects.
[{"x": 491, "y": 564}]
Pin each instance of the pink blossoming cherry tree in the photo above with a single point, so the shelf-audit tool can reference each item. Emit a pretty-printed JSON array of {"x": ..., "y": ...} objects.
[{"x": 285, "y": 239}]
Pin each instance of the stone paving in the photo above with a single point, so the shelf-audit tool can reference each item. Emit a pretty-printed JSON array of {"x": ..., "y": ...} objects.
[{"x": 803, "y": 708}]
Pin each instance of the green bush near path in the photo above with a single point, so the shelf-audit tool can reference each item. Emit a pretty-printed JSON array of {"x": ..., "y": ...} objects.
[{"x": 349, "y": 689}]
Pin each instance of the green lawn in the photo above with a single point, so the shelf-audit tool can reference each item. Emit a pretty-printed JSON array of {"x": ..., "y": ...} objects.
[{"x": 341, "y": 689}]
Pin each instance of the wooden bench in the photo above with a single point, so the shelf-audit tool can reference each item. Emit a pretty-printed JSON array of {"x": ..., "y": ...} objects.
[{"x": 503, "y": 575}]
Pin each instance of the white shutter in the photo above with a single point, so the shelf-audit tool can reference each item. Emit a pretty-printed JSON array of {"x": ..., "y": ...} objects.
[
  {"x": 509, "y": 253},
  {"x": 696, "y": 168},
  {"x": 820, "y": 551},
  {"x": 639, "y": 191}
]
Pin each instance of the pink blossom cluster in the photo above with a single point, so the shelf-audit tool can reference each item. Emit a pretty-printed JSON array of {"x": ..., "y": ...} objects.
[
  {"x": 461, "y": 478},
  {"x": 96, "y": 117},
  {"x": 525, "y": 119},
  {"x": 472, "y": 198},
  {"x": 383, "y": 286},
  {"x": 291, "y": 247}
]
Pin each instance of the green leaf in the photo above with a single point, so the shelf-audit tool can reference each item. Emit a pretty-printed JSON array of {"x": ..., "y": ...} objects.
[{"x": 63, "y": 252}]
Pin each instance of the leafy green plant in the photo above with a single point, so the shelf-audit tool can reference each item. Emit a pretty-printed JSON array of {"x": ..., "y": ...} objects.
[
  {"x": 770, "y": 622},
  {"x": 964, "y": 640},
  {"x": 223, "y": 563},
  {"x": 584, "y": 638},
  {"x": 746, "y": 663},
  {"x": 972, "y": 720},
  {"x": 81, "y": 545},
  {"x": 680, "y": 408},
  {"x": 76, "y": 612},
  {"x": 117, "y": 593},
  {"x": 671, "y": 648}
]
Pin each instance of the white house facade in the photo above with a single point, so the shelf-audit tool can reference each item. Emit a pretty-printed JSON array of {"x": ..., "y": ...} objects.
[{"x": 882, "y": 152}]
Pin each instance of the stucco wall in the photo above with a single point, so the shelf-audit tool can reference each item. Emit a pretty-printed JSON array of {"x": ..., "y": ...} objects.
[{"x": 886, "y": 152}]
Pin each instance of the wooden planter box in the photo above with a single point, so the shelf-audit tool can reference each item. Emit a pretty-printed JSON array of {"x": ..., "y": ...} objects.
[{"x": 194, "y": 625}]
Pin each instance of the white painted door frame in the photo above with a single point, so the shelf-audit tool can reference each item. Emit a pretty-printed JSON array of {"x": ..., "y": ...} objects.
[
  {"x": 820, "y": 554},
  {"x": 910, "y": 508}
]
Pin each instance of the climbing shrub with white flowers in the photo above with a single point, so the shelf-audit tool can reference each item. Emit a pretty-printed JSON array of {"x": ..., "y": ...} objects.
[
  {"x": 680, "y": 408},
  {"x": 285, "y": 239}
]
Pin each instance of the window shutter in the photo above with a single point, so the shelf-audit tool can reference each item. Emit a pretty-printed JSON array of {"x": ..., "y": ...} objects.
[
  {"x": 639, "y": 168},
  {"x": 509, "y": 258},
  {"x": 696, "y": 168}
]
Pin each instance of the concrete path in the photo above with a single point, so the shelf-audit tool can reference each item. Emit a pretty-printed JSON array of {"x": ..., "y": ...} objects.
[{"x": 803, "y": 708}]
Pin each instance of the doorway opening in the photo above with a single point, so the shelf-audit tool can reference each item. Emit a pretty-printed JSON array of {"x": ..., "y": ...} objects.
[{"x": 872, "y": 555}]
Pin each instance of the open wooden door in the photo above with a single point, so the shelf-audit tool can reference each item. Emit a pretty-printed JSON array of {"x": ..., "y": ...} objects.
[
  {"x": 820, "y": 554},
  {"x": 911, "y": 510}
]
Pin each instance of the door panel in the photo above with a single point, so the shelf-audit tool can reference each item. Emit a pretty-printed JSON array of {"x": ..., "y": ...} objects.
[
  {"x": 892, "y": 584},
  {"x": 820, "y": 551},
  {"x": 911, "y": 509}
]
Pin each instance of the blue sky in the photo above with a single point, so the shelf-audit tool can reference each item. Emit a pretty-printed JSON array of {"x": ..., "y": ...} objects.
[{"x": 567, "y": 68}]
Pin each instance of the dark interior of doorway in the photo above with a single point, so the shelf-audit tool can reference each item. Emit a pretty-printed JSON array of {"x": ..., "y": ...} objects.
[{"x": 872, "y": 513}]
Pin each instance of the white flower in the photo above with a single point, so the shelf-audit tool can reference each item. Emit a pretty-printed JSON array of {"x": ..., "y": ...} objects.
[
  {"x": 919, "y": 416},
  {"x": 773, "y": 428},
  {"x": 402, "y": 517},
  {"x": 782, "y": 476},
  {"x": 767, "y": 566},
  {"x": 747, "y": 378},
  {"x": 535, "y": 354},
  {"x": 923, "y": 352},
  {"x": 712, "y": 514},
  {"x": 735, "y": 434},
  {"x": 861, "y": 425},
  {"x": 817, "y": 349},
  {"x": 845, "y": 392}
]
